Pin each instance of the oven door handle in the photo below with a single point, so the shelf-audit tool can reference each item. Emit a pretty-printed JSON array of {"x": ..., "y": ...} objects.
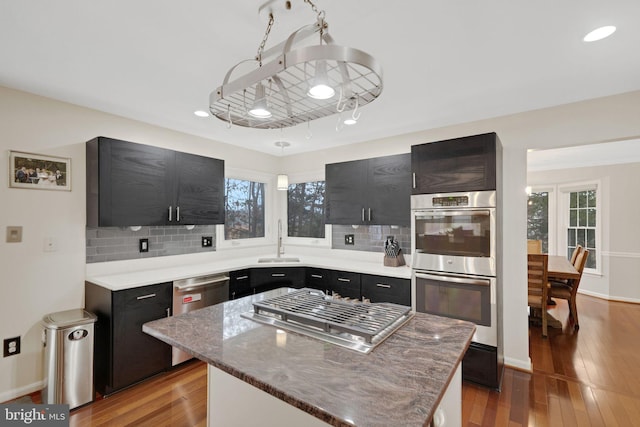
[
  {"x": 461, "y": 212},
  {"x": 481, "y": 282}
]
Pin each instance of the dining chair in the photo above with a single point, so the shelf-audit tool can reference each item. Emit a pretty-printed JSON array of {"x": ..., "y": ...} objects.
[
  {"x": 537, "y": 270},
  {"x": 569, "y": 290},
  {"x": 574, "y": 254},
  {"x": 534, "y": 246}
]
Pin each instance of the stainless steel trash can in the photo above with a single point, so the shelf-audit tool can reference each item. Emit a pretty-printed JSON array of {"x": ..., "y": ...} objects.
[{"x": 68, "y": 357}]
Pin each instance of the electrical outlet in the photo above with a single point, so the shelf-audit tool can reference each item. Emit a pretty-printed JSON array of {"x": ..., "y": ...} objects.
[
  {"x": 207, "y": 241},
  {"x": 349, "y": 239},
  {"x": 11, "y": 346},
  {"x": 144, "y": 245}
]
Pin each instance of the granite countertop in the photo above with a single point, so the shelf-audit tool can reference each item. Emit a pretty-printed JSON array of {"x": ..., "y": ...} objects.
[
  {"x": 143, "y": 277},
  {"x": 399, "y": 383}
]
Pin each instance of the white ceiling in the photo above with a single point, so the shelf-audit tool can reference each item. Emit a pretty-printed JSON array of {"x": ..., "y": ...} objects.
[{"x": 444, "y": 62}]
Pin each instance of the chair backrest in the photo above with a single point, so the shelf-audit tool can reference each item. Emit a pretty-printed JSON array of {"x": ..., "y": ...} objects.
[
  {"x": 581, "y": 261},
  {"x": 574, "y": 255},
  {"x": 537, "y": 270},
  {"x": 534, "y": 246}
]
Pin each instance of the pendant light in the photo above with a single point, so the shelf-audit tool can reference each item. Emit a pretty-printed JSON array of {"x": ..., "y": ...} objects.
[
  {"x": 320, "y": 88},
  {"x": 259, "y": 109},
  {"x": 283, "y": 179}
]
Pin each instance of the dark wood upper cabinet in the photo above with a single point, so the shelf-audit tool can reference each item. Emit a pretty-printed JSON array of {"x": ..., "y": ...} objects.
[
  {"x": 455, "y": 165},
  {"x": 372, "y": 191},
  {"x": 136, "y": 184}
]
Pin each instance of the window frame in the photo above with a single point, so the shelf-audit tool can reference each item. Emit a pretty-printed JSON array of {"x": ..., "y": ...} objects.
[
  {"x": 552, "y": 215},
  {"x": 564, "y": 191},
  {"x": 298, "y": 178},
  {"x": 269, "y": 181}
]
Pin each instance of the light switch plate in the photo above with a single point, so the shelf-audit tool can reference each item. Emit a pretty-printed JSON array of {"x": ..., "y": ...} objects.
[
  {"x": 349, "y": 239},
  {"x": 14, "y": 234},
  {"x": 144, "y": 245}
]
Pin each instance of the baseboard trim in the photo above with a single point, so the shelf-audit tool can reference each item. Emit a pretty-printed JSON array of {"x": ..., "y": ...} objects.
[
  {"x": 21, "y": 391},
  {"x": 519, "y": 365},
  {"x": 609, "y": 297}
]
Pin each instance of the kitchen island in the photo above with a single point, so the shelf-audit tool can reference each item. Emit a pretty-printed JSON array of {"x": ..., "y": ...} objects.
[{"x": 262, "y": 373}]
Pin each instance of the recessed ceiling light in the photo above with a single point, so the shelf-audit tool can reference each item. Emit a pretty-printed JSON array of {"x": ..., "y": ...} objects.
[
  {"x": 350, "y": 122},
  {"x": 599, "y": 33},
  {"x": 201, "y": 113}
]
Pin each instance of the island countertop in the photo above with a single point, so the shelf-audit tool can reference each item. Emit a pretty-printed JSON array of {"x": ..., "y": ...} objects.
[{"x": 399, "y": 383}]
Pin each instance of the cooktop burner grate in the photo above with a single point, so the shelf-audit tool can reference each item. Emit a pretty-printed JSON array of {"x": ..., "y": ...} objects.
[{"x": 310, "y": 309}]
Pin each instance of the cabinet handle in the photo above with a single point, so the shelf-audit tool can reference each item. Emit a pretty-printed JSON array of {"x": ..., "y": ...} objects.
[
  {"x": 316, "y": 276},
  {"x": 362, "y": 214},
  {"x": 233, "y": 295},
  {"x": 178, "y": 213},
  {"x": 168, "y": 312},
  {"x": 342, "y": 279},
  {"x": 369, "y": 214},
  {"x": 278, "y": 274},
  {"x": 170, "y": 208},
  {"x": 382, "y": 285},
  {"x": 242, "y": 277},
  {"x": 146, "y": 296},
  {"x": 414, "y": 179}
]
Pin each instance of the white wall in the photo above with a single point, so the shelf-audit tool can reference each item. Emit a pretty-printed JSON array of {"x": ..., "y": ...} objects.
[
  {"x": 620, "y": 238},
  {"x": 34, "y": 283}
]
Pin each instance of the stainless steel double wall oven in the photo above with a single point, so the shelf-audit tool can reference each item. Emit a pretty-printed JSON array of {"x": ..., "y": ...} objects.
[{"x": 454, "y": 258}]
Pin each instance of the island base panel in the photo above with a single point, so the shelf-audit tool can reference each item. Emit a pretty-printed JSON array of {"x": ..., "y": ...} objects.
[{"x": 225, "y": 409}]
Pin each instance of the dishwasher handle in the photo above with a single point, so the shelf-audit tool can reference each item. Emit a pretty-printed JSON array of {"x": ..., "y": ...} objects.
[{"x": 217, "y": 282}]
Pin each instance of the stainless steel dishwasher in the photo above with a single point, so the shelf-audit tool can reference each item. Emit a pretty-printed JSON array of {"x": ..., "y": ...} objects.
[{"x": 194, "y": 293}]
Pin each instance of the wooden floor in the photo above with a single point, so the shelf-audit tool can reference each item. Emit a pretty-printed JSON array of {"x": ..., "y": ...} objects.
[{"x": 585, "y": 378}]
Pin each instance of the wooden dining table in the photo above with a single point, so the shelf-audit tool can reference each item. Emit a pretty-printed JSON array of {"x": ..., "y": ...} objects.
[{"x": 558, "y": 268}]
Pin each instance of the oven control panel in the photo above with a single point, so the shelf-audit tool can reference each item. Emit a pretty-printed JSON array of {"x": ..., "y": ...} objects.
[{"x": 450, "y": 201}]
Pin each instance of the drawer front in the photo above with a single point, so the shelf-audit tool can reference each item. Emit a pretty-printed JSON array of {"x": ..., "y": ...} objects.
[
  {"x": 318, "y": 278},
  {"x": 346, "y": 284},
  {"x": 277, "y": 277},
  {"x": 386, "y": 289}
]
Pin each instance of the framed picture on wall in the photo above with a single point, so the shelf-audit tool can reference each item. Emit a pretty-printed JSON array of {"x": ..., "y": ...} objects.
[{"x": 38, "y": 172}]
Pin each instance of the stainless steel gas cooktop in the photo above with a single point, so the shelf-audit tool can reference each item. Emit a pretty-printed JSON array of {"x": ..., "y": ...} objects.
[{"x": 354, "y": 325}]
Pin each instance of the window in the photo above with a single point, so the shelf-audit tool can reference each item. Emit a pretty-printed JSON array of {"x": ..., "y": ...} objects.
[
  {"x": 581, "y": 229},
  {"x": 538, "y": 218},
  {"x": 244, "y": 209},
  {"x": 305, "y": 210}
]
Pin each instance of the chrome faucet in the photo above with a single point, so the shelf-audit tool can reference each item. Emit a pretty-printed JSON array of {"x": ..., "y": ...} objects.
[{"x": 280, "y": 248}]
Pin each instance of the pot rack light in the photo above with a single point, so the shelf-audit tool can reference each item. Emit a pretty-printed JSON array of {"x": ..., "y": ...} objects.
[{"x": 298, "y": 84}]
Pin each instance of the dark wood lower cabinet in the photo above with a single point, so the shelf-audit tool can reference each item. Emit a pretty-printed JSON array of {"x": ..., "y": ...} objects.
[
  {"x": 240, "y": 283},
  {"x": 481, "y": 365},
  {"x": 346, "y": 284},
  {"x": 123, "y": 354},
  {"x": 386, "y": 289}
]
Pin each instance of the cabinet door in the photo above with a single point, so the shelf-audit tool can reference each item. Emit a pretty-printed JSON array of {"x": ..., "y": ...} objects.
[
  {"x": 345, "y": 192},
  {"x": 137, "y": 355},
  {"x": 200, "y": 189},
  {"x": 455, "y": 165},
  {"x": 386, "y": 289},
  {"x": 346, "y": 284},
  {"x": 239, "y": 283},
  {"x": 389, "y": 190},
  {"x": 127, "y": 184}
]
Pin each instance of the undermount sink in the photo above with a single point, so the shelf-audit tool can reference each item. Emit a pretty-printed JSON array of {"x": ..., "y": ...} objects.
[{"x": 275, "y": 259}]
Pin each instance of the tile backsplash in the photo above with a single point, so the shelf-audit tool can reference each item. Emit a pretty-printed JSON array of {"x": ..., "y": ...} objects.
[
  {"x": 370, "y": 238},
  {"x": 122, "y": 243}
]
